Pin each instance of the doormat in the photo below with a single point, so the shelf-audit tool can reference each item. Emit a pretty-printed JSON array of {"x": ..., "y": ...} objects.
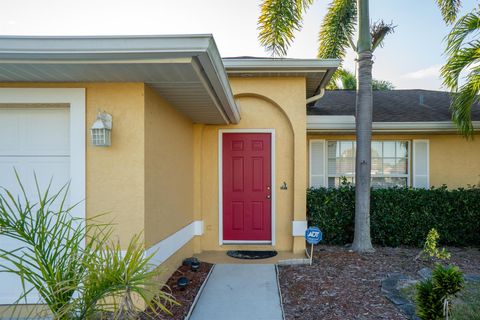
[{"x": 250, "y": 254}]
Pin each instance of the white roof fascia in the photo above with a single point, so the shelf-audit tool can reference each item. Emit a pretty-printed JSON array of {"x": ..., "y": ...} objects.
[
  {"x": 103, "y": 48},
  {"x": 330, "y": 122},
  {"x": 344, "y": 124},
  {"x": 242, "y": 66},
  {"x": 125, "y": 49},
  {"x": 279, "y": 65},
  {"x": 219, "y": 79}
]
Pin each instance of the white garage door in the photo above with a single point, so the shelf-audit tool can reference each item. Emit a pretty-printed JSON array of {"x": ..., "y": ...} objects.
[{"x": 35, "y": 139}]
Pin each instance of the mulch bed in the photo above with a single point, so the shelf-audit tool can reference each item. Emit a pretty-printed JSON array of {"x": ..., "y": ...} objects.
[
  {"x": 345, "y": 285},
  {"x": 185, "y": 297}
]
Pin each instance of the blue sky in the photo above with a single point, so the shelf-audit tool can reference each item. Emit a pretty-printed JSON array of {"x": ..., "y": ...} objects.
[{"x": 410, "y": 58}]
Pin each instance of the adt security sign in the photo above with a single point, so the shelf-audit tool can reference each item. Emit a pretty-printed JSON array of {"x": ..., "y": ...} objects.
[{"x": 313, "y": 235}]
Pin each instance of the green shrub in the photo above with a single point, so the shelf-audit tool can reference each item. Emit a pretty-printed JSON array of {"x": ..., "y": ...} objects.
[
  {"x": 399, "y": 216},
  {"x": 434, "y": 295}
]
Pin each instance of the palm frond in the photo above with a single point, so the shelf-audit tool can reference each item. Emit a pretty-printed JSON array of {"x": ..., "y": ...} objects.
[
  {"x": 278, "y": 22},
  {"x": 464, "y": 28},
  {"x": 348, "y": 80},
  {"x": 449, "y": 9},
  {"x": 459, "y": 62},
  {"x": 344, "y": 79},
  {"x": 337, "y": 80},
  {"x": 461, "y": 72},
  {"x": 382, "y": 85},
  {"x": 337, "y": 29},
  {"x": 462, "y": 102},
  {"x": 379, "y": 31}
]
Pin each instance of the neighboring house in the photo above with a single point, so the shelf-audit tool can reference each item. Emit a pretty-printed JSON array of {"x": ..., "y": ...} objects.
[
  {"x": 414, "y": 144},
  {"x": 205, "y": 154}
]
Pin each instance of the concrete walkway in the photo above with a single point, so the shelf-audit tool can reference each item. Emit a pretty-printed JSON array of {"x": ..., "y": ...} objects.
[{"x": 240, "y": 291}]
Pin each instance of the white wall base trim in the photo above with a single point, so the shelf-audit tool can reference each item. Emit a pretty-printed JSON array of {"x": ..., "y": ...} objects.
[
  {"x": 167, "y": 247},
  {"x": 299, "y": 227},
  {"x": 198, "y": 227}
]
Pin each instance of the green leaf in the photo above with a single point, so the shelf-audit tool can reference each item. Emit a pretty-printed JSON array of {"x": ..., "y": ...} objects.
[
  {"x": 337, "y": 29},
  {"x": 449, "y": 9},
  {"x": 278, "y": 22}
]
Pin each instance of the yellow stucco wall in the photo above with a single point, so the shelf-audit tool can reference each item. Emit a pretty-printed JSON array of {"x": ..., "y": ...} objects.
[
  {"x": 110, "y": 188},
  {"x": 161, "y": 172},
  {"x": 265, "y": 103},
  {"x": 168, "y": 169},
  {"x": 454, "y": 161},
  {"x": 144, "y": 180}
]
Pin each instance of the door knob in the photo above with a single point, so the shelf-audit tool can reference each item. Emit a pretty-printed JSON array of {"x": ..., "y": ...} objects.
[{"x": 269, "y": 196}]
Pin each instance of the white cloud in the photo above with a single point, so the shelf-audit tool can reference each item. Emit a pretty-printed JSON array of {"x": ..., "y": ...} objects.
[{"x": 430, "y": 72}]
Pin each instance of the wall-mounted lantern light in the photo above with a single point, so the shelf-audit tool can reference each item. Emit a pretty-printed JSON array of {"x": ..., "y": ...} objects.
[{"x": 101, "y": 130}]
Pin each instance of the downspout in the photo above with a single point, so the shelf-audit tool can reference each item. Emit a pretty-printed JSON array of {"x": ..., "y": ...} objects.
[{"x": 317, "y": 97}]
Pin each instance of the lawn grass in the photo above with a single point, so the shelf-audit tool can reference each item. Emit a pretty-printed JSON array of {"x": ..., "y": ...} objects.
[{"x": 466, "y": 306}]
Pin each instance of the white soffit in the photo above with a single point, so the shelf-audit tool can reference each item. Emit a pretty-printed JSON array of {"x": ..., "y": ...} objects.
[
  {"x": 346, "y": 124},
  {"x": 316, "y": 71},
  {"x": 186, "y": 70}
]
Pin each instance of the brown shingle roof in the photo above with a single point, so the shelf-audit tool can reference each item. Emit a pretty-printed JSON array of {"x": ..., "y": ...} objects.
[{"x": 392, "y": 106}]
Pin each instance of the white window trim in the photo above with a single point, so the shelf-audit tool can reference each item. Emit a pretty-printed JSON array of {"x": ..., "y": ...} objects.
[
  {"x": 325, "y": 156},
  {"x": 409, "y": 156},
  {"x": 220, "y": 184},
  {"x": 410, "y": 169},
  {"x": 428, "y": 162},
  {"x": 75, "y": 97}
]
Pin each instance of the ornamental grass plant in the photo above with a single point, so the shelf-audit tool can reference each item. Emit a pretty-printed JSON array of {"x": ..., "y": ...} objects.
[{"x": 71, "y": 263}]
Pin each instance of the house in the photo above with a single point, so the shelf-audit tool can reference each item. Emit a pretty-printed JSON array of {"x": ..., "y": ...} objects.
[
  {"x": 415, "y": 143},
  {"x": 202, "y": 154}
]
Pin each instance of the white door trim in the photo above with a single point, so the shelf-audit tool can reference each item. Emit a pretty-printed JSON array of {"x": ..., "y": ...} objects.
[
  {"x": 75, "y": 97},
  {"x": 220, "y": 183}
]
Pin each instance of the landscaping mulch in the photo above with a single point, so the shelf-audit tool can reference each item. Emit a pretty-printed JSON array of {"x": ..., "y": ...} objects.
[
  {"x": 187, "y": 296},
  {"x": 342, "y": 284}
]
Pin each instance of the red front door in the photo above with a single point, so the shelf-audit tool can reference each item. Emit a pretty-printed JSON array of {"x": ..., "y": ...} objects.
[{"x": 247, "y": 204}]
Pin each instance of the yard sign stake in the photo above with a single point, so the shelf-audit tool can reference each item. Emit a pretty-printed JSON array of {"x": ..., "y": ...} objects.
[{"x": 313, "y": 235}]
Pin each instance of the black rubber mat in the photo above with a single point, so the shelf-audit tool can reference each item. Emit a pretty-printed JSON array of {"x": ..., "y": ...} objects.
[{"x": 251, "y": 254}]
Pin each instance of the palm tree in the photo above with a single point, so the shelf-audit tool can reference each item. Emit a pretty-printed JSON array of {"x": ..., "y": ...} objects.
[
  {"x": 348, "y": 81},
  {"x": 463, "y": 52},
  {"x": 278, "y": 22}
]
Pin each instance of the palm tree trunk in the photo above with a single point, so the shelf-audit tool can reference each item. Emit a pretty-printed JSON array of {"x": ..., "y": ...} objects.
[{"x": 362, "y": 241}]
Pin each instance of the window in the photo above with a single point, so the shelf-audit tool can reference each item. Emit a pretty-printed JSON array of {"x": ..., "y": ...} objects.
[
  {"x": 340, "y": 162},
  {"x": 390, "y": 163}
]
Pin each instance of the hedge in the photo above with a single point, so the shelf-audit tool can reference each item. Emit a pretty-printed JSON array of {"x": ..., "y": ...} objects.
[{"x": 399, "y": 216}]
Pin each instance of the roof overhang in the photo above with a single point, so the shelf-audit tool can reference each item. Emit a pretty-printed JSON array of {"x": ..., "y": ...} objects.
[
  {"x": 186, "y": 70},
  {"x": 346, "y": 125},
  {"x": 316, "y": 71}
]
